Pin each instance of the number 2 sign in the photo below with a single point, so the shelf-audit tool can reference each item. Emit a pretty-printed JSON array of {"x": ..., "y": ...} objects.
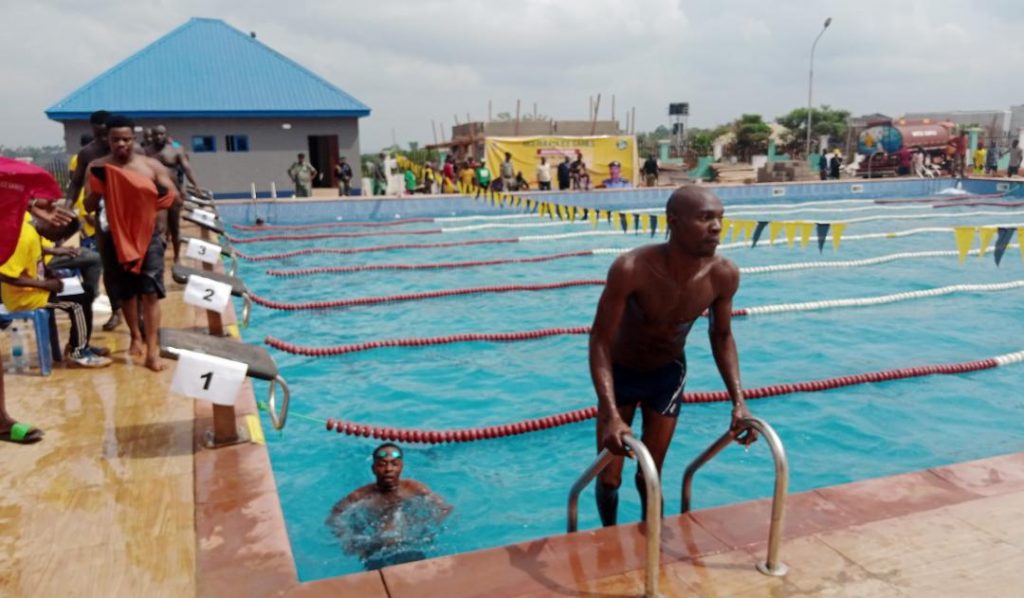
[
  {"x": 209, "y": 378},
  {"x": 207, "y": 294}
]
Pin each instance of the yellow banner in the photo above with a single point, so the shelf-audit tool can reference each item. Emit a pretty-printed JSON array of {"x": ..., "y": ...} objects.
[
  {"x": 805, "y": 233},
  {"x": 987, "y": 232},
  {"x": 597, "y": 152},
  {"x": 790, "y": 228},
  {"x": 964, "y": 239},
  {"x": 837, "y": 234},
  {"x": 773, "y": 231}
]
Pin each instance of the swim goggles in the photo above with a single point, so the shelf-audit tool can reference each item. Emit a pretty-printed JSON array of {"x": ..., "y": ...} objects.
[{"x": 385, "y": 453}]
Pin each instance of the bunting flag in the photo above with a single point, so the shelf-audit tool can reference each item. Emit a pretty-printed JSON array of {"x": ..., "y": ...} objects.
[
  {"x": 606, "y": 216},
  {"x": 581, "y": 213},
  {"x": 622, "y": 221},
  {"x": 726, "y": 229},
  {"x": 790, "y": 228},
  {"x": 758, "y": 230},
  {"x": 822, "y": 234},
  {"x": 743, "y": 229},
  {"x": 805, "y": 233},
  {"x": 964, "y": 239},
  {"x": 652, "y": 223},
  {"x": 774, "y": 228},
  {"x": 593, "y": 218},
  {"x": 837, "y": 234},
  {"x": 663, "y": 224},
  {"x": 1020, "y": 241},
  {"x": 636, "y": 223},
  {"x": 1002, "y": 242},
  {"x": 987, "y": 232}
]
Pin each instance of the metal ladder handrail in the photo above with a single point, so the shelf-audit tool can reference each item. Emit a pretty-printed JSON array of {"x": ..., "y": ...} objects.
[
  {"x": 772, "y": 566},
  {"x": 653, "y": 485}
]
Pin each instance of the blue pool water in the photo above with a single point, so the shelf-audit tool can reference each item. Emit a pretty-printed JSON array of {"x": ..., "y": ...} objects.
[{"x": 513, "y": 489}]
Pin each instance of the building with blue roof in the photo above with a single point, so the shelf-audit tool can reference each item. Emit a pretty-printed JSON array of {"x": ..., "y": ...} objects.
[{"x": 241, "y": 109}]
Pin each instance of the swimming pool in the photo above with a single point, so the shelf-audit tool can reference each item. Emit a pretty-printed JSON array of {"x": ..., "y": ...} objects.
[{"x": 512, "y": 489}]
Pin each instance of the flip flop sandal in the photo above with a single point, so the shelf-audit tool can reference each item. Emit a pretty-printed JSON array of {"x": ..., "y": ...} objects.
[{"x": 21, "y": 433}]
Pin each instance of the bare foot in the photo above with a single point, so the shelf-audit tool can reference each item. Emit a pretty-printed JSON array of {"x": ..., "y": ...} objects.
[
  {"x": 154, "y": 363},
  {"x": 137, "y": 348}
]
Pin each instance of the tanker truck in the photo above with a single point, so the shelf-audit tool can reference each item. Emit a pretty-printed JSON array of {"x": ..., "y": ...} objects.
[{"x": 880, "y": 141}]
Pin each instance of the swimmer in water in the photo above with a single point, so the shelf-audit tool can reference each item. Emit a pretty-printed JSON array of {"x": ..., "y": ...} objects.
[
  {"x": 387, "y": 522},
  {"x": 653, "y": 296}
]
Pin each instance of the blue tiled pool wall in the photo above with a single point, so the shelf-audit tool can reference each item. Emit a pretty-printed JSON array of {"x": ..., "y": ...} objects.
[{"x": 283, "y": 212}]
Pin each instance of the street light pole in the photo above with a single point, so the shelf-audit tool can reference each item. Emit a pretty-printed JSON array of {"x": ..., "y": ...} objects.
[{"x": 810, "y": 86}]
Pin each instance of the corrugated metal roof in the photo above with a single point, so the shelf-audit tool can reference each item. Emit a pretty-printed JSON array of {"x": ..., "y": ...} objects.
[{"x": 206, "y": 68}]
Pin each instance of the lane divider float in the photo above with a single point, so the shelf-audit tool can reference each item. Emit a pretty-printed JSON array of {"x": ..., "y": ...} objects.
[
  {"x": 417, "y": 436},
  {"x": 740, "y": 312}
]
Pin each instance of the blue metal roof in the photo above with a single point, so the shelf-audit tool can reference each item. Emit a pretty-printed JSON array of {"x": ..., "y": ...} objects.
[{"x": 206, "y": 68}]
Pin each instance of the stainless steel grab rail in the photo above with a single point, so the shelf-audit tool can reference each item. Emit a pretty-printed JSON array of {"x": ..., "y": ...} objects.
[
  {"x": 771, "y": 566},
  {"x": 278, "y": 421},
  {"x": 653, "y": 485}
]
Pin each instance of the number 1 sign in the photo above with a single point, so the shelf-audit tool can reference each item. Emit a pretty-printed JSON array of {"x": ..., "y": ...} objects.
[{"x": 206, "y": 377}]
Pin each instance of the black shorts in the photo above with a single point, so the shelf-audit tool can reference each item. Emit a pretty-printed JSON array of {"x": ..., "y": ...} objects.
[
  {"x": 151, "y": 279},
  {"x": 660, "y": 389},
  {"x": 1012, "y": 170}
]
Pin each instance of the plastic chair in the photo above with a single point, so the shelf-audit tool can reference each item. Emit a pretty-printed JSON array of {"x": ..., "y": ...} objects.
[{"x": 40, "y": 319}]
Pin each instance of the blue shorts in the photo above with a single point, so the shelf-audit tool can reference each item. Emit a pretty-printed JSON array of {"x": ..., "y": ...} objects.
[{"x": 660, "y": 389}]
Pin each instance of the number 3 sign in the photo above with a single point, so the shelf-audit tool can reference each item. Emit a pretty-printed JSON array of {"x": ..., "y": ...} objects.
[
  {"x": 206, "y": 377},
  {"x": 207, "y": 294},
  {"x": 203, "y": 251}
]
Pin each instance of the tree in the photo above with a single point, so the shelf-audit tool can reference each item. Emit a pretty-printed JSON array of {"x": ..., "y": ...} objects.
[
  {"x": 752, "y": 135},
  {"x": 825, "y": 121}
]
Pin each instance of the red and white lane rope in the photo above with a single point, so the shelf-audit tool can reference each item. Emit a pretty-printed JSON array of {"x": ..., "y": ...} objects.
[
  {"x": 507, "y": 288},
  {"x": 428, "y": 266},
  {"x": 543, "y": 333},
  {"x": 281, "y": 227},
  {"x": 351, "y": 250},
  {"x": 316, "y": 236},
  {"x": 565, "y": 284},
  {"x": 408, "y": 435}
]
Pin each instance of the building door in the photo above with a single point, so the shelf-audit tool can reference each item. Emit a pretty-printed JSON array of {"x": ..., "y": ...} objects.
[{"x": 323, "y": 155}]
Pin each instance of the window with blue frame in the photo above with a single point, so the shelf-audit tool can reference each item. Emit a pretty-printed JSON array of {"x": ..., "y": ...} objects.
[
  {"x": 236, "y": 143},
  {"x": 204, "y": 144}
]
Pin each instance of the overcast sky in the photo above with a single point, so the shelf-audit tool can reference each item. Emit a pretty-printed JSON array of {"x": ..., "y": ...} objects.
[{"x": 416, "y": 60}]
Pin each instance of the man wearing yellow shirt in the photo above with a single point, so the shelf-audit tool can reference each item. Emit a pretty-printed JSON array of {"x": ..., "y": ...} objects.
[{"x": 25, "y": 287}]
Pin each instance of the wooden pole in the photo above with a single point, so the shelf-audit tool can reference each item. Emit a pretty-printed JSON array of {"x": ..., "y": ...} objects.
[
  {"x": 632, "y": 122},
  {"x": 613, "y": 106},
  {"x": 433, "y": 129},
  {"x": 517, "y": 117},
  {"x": 593, "y": 121}
]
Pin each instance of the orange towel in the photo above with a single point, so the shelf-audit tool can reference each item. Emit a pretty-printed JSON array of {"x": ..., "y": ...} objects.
[{"x": 132, "y": 201}]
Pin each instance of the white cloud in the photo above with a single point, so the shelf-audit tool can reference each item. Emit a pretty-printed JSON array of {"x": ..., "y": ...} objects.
[{"x": 413, "y": 61}]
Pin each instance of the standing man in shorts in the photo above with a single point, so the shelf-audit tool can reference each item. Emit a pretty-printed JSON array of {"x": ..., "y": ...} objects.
[
  {"x": 652, "y": 299},
  {"x": 95, "y": 149},
  {"x": 138, "y": 191},
  {"x": 176, "y": 162},
  {"x": 1016, "y": 157},
  {"x": 302, "y": 174}
]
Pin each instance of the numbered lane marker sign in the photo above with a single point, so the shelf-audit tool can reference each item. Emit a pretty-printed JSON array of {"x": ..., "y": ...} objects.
[
  {"x": 205, "y": 216},
  {"x": 208, "y": 378},
  {"x": 203, "y": 251},
  {"x": 207, "y": 294}
]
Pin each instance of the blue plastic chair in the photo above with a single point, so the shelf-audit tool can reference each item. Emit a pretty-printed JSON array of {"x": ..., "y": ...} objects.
[{"x": 40, "y": 319}]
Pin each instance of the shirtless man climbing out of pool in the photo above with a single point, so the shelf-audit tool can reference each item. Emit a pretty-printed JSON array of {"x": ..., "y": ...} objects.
[{"x": 652, "y": 298}]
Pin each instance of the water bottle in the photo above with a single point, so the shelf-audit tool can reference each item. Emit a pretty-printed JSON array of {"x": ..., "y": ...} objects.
[{"x": 19, "y": 361}]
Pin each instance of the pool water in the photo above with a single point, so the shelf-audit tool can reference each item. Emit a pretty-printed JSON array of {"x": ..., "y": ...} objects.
[{"x": 513, "y": 489}]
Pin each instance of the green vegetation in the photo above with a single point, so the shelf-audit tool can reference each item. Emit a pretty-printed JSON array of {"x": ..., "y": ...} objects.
[{"x": 825, "y": 121}]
